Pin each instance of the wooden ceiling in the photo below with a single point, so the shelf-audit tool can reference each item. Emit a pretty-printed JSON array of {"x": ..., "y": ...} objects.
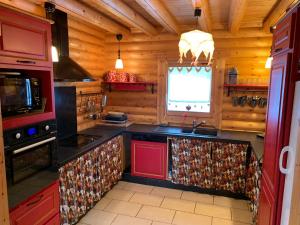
[
  {"x": 153, "y": 17},
  {"x": 175, "y": 16}
]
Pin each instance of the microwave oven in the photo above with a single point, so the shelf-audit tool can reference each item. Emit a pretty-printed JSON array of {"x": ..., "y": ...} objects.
[{"x": 19, "y": 94}]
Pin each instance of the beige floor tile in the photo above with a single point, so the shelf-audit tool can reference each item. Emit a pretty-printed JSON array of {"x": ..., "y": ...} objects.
[
  {"x": 183, "y": 218},
  {"x": 241, "y": 215},
  {"x": 121, "y": 184},
  {"x": 167, "y": 192},
  {"x": 146, "y": 199},
  {"x": 218, "y": 221},
  {"x": 156, "y": 214},
  {"x": 81, "y": 224},
  {"x": 230, "y": 202},
  {"x": 198, "y": 197},
  {"x": 138, "y": 188},
  {"x": 159, "y": 223},
  {"x": 97, "y": 217},
  {"x": 103, "y": 203},
  {"x": 128, "y": 220},
  {"x": 178, "y": 204},
  {"x": 122, "y": 207},
  {"x": 213, "y": 210},
  {"x": 119, "y": 194}
]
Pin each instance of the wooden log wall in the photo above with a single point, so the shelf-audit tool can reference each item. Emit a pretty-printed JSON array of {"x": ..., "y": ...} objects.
[
  {"x": 85, "y": 91},
  {"x": 142, "y": 55}
]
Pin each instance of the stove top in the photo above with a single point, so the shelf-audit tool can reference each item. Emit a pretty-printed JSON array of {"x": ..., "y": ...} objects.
[{"x": 78, "y": 140}]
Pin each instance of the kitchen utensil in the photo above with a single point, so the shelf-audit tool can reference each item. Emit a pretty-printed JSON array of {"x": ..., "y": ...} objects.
[
  {"x": 262, "y": 102},
  {"x": 243, "y": 100},
  {"x": 235, "y": 101},
  {"x": 253, "y": 101}
]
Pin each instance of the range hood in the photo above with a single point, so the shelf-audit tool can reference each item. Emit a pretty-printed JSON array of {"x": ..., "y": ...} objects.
[{"x": 66, "y": 69}]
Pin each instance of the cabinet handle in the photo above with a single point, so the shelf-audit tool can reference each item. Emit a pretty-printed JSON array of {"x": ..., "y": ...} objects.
[
  {"x": 36, "y": 201},
  {"x": 26, "y": 61},
  {"x": 278, "y": 49}
]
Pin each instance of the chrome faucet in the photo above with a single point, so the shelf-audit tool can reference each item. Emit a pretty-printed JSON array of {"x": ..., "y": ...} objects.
[{"x": 195, "y": 125}]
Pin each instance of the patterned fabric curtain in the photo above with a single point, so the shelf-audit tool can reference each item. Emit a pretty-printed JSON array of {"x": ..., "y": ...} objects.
[
  {"x": 229, "y": 166},
  {"x": 253, "y": 185},
  {"x": 191, "y": 162},
  {"x": 208, "y": 164},
  {"x": 83, "y": 181}
]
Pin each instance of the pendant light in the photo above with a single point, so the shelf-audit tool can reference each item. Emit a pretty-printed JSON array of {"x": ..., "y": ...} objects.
[
  {"x": 119, "y": 62},
  {"x": 197, "y": 42},
  {"x": 268, "y": 64}
]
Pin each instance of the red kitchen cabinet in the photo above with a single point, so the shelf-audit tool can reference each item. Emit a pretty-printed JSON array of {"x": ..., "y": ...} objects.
[
  {"x": 283, "y": 37},
  {"x": 24, "y": 40},
  {"x": 40, "y": 209},
  {"x": 149, "y": 159},
  {"x": 54, "y": 221}
]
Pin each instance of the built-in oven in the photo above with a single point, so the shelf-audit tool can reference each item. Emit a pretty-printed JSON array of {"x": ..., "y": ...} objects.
[{"x": 30, "y": 149}]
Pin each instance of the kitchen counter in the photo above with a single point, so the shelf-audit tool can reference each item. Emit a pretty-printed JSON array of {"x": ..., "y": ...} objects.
[
  {"x": 257, "y": 143},
  {"x": 66, "y": 154},
  {"x": 23, "y": 190}
]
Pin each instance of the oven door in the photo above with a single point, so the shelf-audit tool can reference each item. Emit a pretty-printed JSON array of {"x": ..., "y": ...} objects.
[{"x": 30, "y": 159}]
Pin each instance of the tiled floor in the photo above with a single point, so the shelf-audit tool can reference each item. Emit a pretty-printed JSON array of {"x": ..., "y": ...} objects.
[{"x": 136, "y": 204}]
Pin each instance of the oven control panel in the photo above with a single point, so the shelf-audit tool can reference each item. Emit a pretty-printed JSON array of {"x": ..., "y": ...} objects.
[{"x": 29, "y": 133}]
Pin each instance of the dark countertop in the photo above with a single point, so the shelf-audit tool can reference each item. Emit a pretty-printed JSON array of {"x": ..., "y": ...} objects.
[
  {"x": 257, "y": 143},
  {"x": 23, "y": 190},
  {"x": 67, "y": 154}
]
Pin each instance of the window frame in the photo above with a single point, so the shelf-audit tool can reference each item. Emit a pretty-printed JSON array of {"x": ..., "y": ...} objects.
[{"x": 202, "y": 115}]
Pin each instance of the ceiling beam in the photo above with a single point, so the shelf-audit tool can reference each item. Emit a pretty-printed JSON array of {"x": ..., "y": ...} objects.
[
  {"x": 277, "y": 12},
  {"x": 158, "y": 11},
  {"x": 87, "y": 14},
  {"x": 205, "y": 18},
  {"x": 125, "y": 13},
  {"x": 236, "y": 15}
]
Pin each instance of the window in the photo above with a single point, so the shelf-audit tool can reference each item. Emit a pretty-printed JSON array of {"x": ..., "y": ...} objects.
[{"x": 189, "y": 89}]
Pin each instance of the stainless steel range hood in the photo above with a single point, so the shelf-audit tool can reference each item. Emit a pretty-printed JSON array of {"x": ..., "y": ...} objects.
[{"x": 66, "y": 69}]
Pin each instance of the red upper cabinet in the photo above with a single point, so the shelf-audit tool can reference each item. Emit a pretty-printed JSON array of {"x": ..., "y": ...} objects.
[
  {"x": 283, "y": 37},
  {"x": 149, "y": 159},
  {"x": 24, "y": 40}
]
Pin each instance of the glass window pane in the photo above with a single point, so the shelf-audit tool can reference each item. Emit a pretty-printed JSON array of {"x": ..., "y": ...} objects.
[{"x": 189, "y": 87}]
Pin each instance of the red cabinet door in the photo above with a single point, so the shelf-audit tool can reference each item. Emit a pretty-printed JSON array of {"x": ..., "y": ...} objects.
[
  {"x": 277, "y": 132},
  {"x": 149, "y": 159},
  {"x": 54, "y": 221},
  {"x": 24, "y": 40},
  {"x": 38, "y": 209}
]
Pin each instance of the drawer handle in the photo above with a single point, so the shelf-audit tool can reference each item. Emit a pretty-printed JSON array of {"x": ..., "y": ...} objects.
[
  {"x": 278, "y": 49},
  {"x": 36, "y": 201},
  {"x": 26, "y": 61}
]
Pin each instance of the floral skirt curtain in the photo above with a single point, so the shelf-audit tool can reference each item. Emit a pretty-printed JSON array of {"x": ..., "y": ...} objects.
[
  {"x": 207, "y": 164},
  {"x": 191, "y": 162},
  {"x": 83, "y": 181},
  {"x": 253, "y": 185}
]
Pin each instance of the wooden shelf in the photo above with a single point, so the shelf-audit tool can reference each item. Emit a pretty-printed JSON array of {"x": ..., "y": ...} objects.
[
  {"x": 129, "y": 86},
  {"x": 250, "y": 87}
]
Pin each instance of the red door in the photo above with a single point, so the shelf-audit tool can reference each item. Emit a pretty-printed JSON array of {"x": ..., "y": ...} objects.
[
  {"x": 149, "y": 159},
  {"x": 277, "y": 132}
]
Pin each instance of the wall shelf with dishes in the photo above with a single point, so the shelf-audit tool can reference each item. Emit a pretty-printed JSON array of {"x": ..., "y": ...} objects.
[
  {"x": 246, "y": 87},
  {"x": 123, "y": 81}
]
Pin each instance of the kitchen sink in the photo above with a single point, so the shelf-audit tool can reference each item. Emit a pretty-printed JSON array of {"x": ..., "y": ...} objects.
[
  {"x": 188, "y": 130},
  {"x": 201, "y": 131}
]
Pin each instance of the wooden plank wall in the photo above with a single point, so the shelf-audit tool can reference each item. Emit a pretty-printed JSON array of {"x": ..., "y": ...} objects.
[
  {"x": 86, "y": 44},
  {"x": 141, "y": 55}
]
